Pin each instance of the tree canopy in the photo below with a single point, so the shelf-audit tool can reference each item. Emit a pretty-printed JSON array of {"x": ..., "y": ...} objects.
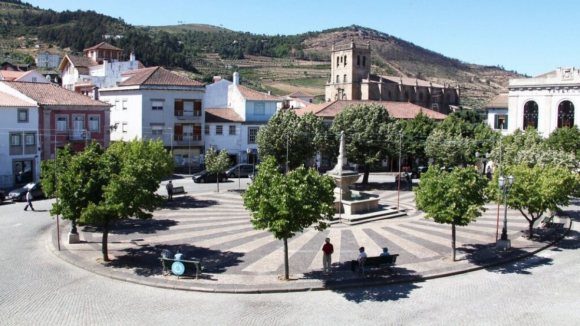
[
  {"x": 286, "y": 204},
  {"x": 217, "y": 162},
  {"x": 371, "y": 135}
]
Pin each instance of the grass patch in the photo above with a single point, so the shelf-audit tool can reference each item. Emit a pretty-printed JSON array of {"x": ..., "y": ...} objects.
[{"x": 312, "y": 82}]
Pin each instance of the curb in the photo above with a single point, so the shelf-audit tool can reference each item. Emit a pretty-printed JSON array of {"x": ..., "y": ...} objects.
[{"x": 50, "y": 244}]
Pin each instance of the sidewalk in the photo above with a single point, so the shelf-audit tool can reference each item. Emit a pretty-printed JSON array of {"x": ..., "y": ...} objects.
[{"x": 135, "y": 257}]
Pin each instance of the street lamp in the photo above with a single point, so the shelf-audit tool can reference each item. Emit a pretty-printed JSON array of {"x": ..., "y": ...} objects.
[{"x": 504, "y": 242}]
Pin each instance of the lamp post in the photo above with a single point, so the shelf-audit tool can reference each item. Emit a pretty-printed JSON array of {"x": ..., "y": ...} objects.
[
  {"x": 249, "y": 151},
  {"x": 504, "y": 242}
]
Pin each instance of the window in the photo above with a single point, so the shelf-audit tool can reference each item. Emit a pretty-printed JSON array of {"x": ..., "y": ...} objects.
[
  {"x": 344, "y": 79},
  {"x": 22, "y": 115},
  {"x": 337, "y": 79},
  {"x": 337, "y": 61},
  {"x": 252, "y": 135},
  {"x": 34, "y": 79},
  {"x": 124, "y": 104},
  {"x": 501, "y": 121},
  {"x": 94, "y": 124},
  {"x": 157, "y": 105},
  {"x": 206, "y": 129},
  {"x": 62, "y": 123},
  {"x": 118, "y": 105},
  {"x": 259, "y": 108},
  {"x": 219, "y": 130},
  {"x": 421, "y": 97},
  {"x": 30, "y": 139},
  {"x": 364, "y": 60},
  {"x": 15, "y": 140},
  {"x": 530, "y": 114},
  {"x": 566, "y": 114},
  {"x": 124, "y": 128},
  {"x": 232, "y": 130},
  {"x": 79, "y": 123},
  {"x": 358, "y": 60},
  {"x": 156, "y": 129},
  {"x": 345, "y": 60}
]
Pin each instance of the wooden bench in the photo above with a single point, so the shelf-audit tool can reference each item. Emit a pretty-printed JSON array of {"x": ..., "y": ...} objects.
[
  {"x": 178, "y": 190},
  {"x": 379, "y": 261},
  {"x": 189, "y": 265}
]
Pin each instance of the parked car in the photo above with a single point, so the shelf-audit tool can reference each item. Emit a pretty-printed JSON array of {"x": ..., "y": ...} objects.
[
  {"x": 20, "y": 193},
  {"x": 417, "y": 171},
  {"x": 244, "y": 170},
  {"x": 2, "y": 197},
  {"x": 204, "y": 176}
]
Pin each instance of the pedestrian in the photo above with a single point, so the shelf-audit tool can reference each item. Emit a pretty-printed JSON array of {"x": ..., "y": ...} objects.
[
  {"x": 169, "y": 188},
  {"x": 385, "y": 252},
  {"x": 328, "y": 250},
  {"x": 359, "y": 263},
  {"x": 29, "y": 200},
  {"x": 488, "y": 173}
]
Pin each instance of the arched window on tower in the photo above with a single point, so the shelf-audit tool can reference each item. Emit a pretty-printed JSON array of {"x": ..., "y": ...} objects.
[
  {"x": 406, "y": 96},
  {"x": 358, "y": 60},
  {"x": 364, "y": 60},
  {"x": 337, "y": 79},
  {"x": 337, "y": 61},
  {"x": 420, "y": 97},
  {"x": 344, "y": 79},
  {"x": 531, "y": 114},
  {"x": 345, "y": 60},
  {"x": 566, "y": 114},
  {"x": 388, "y": 95}
]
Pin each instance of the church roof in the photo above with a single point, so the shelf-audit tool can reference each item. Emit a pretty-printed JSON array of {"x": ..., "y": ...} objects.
[
  {"x": 397, "y": 110},
  {"x": 411, "y": 81},
  {"x": 103, "y": 46}
]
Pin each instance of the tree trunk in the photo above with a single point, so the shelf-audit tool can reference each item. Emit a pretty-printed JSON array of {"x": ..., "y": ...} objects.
[
  {"x": 453, "y": 239},
  {"x": 365, "y": 180},
  {"x": 104, "y": 246},
  {"x": 286, "y": 267}
]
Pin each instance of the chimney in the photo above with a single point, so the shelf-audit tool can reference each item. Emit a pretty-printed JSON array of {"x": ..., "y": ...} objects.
[
  {"x": 236, "y": 78},
  {"x": 132, "y": 57},
  {"x": 95, "y": 93}
]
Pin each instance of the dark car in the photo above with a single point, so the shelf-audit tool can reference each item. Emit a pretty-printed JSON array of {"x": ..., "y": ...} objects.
[
  {"x": 417, "y": 171},
  {"x": 243, "y": 170},
  {"x": 2, "y": 196},
  {"x": 20, "y": 193},
  {"x": 204, "y": 176}
]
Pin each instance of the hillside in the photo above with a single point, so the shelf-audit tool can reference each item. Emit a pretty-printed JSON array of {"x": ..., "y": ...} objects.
[{"x": 281, "y": 64}]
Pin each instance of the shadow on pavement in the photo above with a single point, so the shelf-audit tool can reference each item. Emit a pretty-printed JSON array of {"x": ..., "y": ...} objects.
[
  {"x": 392, "y": 186},
  {"x": 184, "y": 202},
  {"x": 342, "y": 276},
  {"x": 145, "y": 259},
  {"x": 133, "y": 226}
]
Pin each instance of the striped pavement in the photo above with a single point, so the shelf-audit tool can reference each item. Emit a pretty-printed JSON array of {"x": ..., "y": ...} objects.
[{"x": 219, "y": 231}]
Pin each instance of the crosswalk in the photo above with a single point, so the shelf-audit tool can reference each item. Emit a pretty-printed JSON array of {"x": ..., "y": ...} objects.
[{"x": 224, "y": 227}]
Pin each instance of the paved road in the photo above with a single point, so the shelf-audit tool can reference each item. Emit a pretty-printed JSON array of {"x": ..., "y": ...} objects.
[{"x": 37, "y": 289}]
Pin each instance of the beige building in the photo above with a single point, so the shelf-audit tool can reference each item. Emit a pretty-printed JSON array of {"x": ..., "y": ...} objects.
[{"x": 351, "y": 79}]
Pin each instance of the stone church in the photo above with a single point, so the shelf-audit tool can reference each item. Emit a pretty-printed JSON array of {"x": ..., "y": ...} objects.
[{"x": 351, "y": 79}]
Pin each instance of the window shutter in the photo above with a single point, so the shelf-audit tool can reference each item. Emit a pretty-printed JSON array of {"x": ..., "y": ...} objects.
[
  {"x": 496, "y": 124},
  {"x": 505, "y": 124}
]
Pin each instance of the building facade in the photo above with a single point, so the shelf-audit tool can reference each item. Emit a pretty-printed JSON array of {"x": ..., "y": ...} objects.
[
  {"x": 351, "y": 79},
  {"x": 153, "y": 103},
  {"x": 47, "y": 60}
]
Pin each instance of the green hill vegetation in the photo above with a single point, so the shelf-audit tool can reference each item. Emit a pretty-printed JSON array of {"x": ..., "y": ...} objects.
[{"x": 278, "y": 63}]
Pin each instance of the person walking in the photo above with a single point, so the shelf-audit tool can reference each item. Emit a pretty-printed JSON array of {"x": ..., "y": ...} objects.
[
  {"x": 29, "y": 200},
  {"x": 328, "y": 250},
  {"x": 169, "y": 188}
]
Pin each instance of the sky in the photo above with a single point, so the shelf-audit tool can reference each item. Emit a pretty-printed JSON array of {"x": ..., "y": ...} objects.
[{"x": 529, "y": 36}]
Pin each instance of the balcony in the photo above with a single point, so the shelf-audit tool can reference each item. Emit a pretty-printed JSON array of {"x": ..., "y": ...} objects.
[
  {"x": 188, "y": 115},
  {"x": 79, "y": 135},
  {"x": 187, "y": 139}
]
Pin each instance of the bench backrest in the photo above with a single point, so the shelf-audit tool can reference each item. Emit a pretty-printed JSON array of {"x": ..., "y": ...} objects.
[
  {"x": 391, "y": 259},
  {"x": 178, "y": 189}
]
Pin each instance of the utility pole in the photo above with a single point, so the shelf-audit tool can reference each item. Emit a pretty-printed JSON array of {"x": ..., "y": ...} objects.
[
  {"x": 287, "y": 139},
  {"x": 400, "y": 152}
]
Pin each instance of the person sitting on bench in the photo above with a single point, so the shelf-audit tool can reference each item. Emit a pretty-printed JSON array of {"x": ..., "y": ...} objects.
[
  {"x": 360, "y": 261},
  {"x": 385, "y": 252}
]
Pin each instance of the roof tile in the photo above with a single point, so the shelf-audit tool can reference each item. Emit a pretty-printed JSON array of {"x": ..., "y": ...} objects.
[
  {"x": 250, "y": 94},
  {"x": 157, "y": 76},
  {"x": 397, "y": 110},
  {"x": 7, "y": 100},
  {"x": 102, "y": 46},
  {"x": 49, "y": 94},
  {"x": 222, "y": 115}
]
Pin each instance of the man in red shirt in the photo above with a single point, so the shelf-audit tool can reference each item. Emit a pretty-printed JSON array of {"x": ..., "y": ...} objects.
[{"x": 328, "y": 250}]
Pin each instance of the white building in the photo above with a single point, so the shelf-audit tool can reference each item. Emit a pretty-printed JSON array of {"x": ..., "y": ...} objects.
[
  {"x": 154, "y": 103},
  {"x": 100, "y": 67},
  {"x": 31, "y": 76},
  {"x": 497, "y": 113},
  {"x": 235, "y": 128},
  {"x": 19, "y": 141},
  {"x": 47, "y": 60},
  {"x": 545, "y": 102}
]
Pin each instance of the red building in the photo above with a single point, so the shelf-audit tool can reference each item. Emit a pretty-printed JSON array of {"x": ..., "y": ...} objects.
[{"x": 65, "y": 117}]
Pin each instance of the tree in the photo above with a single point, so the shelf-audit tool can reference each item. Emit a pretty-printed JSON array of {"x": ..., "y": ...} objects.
[
  {"x": 537, "y": 189},
  {"x": 29, "y": 60},
  {"x": 217, "y": 163},
  {"x": 451, "y": 143},
  {"x": 369, "y": 134},
  {"x": 288, "y": 136},
  {"x": 286, "y": 204},
  {"x": 566, "y": 139},
  {"x": 416, "y": 131},
  {"x": 455, "y": 197},
  {"x": 102, "y": 187}
]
